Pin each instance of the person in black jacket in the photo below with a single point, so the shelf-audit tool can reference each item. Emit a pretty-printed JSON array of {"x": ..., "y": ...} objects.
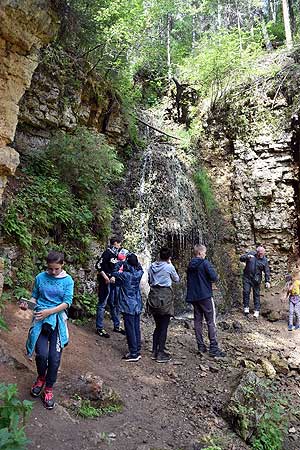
[
  {"x": 200, "y": 276},
  {"x": 256, "y": 264},
  {"x": 105, "y": 265}
]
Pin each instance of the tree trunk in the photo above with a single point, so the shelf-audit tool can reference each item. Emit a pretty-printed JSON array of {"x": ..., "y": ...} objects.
[
  {"x": 219, "y": 15},
  {"x": 169, "y": 46},
  {"x": 287, "y": 24},
  {"x": 239, "y": 29},
  {"x": 265, "y": 33}
]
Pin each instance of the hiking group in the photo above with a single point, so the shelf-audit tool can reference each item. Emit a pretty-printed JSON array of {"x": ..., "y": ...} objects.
[{"x": 119, "y": 277}]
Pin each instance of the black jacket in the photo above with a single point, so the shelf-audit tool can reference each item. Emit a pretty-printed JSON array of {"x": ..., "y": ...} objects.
[
  {"x": 106, "y": 262},
  {"x": 200, "y": 275},
  {"x": 255, "y": 267}
]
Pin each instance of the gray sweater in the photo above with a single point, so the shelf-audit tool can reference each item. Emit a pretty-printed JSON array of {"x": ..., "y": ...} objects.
[{"x": 162, "y": 273}]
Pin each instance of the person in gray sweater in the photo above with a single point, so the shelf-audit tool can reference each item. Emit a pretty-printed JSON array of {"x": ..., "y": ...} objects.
[{"x": 160, "y": 301}]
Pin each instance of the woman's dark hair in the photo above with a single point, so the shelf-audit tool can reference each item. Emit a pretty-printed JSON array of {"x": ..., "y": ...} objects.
[
  {"x": 115, "y": 239},
  {"x": 55, "y": 257},
  {"x": 132, "y": 260},
  {"x": 165, "y": 253}
]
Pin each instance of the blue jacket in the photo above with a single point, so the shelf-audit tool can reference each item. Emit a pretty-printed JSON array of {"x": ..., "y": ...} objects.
[
  {"x": 130, "y": 299},
  {"x": 49, "y": 292},
  {"x": 200, "y": 275}
]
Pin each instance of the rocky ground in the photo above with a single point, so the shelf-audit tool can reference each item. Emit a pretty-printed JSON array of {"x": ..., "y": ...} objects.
[{"x": 179, "y": 405}]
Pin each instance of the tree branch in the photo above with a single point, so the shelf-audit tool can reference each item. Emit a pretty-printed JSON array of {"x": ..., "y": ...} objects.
[{"x": 156, "y": 129}]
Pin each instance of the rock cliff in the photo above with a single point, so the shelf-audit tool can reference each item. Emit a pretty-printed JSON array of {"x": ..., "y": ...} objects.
[
  {"x": 24, "y": 28},
  {"x": 250, "y": 149}
]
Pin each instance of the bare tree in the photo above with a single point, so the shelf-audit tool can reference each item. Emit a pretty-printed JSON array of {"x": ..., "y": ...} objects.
[{"x": 287, "y": 24}]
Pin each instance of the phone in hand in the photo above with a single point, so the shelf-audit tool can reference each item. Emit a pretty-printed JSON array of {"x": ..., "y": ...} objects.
[{"x": 30, "y": 304}]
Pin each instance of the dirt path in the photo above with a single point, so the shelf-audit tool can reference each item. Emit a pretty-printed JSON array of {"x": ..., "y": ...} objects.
[{"x": 167, "y": 406}]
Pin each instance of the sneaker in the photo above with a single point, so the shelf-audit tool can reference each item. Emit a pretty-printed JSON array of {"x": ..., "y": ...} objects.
[
  {"x": 154, "y": 355},
  {"x": 163, "y": 357},
  {"x": 101, "y": 332},
  {"x": 290, "y": 328},
  {"x": 130, "y": 358},
  {"x": 297, "y": 327},
  {"x": 119, "y": 330},
  {"x": 246, "y": 311},
  {"x": 256, "y": 314},
  {"x": 48, "y": 399},
  {"x": 217, "y": 354},
  {"x": 37, "y": 386},
  {"x": 202, "y": 350}
]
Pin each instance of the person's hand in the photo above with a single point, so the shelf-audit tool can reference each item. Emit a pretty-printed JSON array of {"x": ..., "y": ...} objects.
[
  {"x": 107, "y": 280},
  {"x": 23, "y": 305},
  {"x": 267, "y": 285},
  {"x": 41, "y": 315},
  {"x": 112, "y": 280}
]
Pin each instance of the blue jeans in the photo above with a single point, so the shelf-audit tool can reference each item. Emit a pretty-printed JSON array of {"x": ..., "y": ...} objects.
[
  {"x": 133, "y": 333},
  {"x": 47, "y": 356},
  {"x": 107, "y": 296}
]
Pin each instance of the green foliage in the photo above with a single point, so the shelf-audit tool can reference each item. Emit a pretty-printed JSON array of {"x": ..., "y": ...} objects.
[
  {"x": 13, "y": 414},
  {"x": 212, "y": 447},
  {"x": 88, "y": 411},
  {"x": 66, "y": 195},
  {"x": 3, "y": 325},
  {"x": 88, "y": 302},
  {"x": 271, "y": 429},
  {"x": 219, "y": 60},
  {"x": 204, "y": 187},
  {"x": 46, "y": 207}
]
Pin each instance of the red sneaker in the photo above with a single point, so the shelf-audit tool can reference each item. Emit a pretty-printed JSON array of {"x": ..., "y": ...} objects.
[
  {"x": 37, "y": 386},
  {"x": 48, "y": 399}
]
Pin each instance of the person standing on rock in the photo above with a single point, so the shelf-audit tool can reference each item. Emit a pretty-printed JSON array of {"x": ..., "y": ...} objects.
[
  {"x": 130, "y": 303},
  {"x": 200, "y": 276},
  {"x": 160, "y": 301},
  {"x": 48, "y": 334},
  {"x": 106, "y": 294},
  {"x": 256, "y": 264}
]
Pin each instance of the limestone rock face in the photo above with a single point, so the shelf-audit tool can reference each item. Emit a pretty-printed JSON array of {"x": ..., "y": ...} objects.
[
  {"x": 62, "y": 96},
  {"x": 24, "y": 27},
  {"x": 255, "y": 172}
]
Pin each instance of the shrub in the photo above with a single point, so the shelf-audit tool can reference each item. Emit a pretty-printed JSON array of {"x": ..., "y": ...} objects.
[
  {"x": 46, "y": 207},
  {"x": 270, "y": 431},
  {"x": 13, "y": 414}
]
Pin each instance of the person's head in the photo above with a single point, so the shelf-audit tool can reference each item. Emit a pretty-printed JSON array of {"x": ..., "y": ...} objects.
[
  {"x": 296, "y": 275},
  {"x": 260, "y": 251},
  {"x": 199, "y": 251},
  {"x": 122, "y": 254},
  {"x": 55, "y": 262},
  {"x": 115, "y": 242},
  {"x": 165, "y": 254},
  {"x": 132, "y": 260}
]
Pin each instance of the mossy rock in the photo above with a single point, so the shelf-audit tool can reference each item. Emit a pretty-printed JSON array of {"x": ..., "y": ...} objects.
[{"x": 247, "y": 406}]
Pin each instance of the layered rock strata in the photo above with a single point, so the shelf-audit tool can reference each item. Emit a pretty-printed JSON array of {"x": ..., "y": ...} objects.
[
  {"x": 254, "y": 170},
  {"x": 24, "y": 28}
]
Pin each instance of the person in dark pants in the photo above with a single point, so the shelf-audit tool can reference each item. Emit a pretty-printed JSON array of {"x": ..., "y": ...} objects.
[
  {"x": 256, "y": 264},
  {"x": 130, "y": 303},
  {"x": 200, "y": 276},
  {"x": 160, "y": 301},
  {"x": 48, "y": 334},
  {"x": 107, "y": 295}
]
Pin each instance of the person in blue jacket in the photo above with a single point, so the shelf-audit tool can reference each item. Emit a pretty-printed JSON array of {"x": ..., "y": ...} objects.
[
  {"x": 48, "y": 334},
  {"x": 200, "y": 276},
  {"x": 130, "y": 303}
]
